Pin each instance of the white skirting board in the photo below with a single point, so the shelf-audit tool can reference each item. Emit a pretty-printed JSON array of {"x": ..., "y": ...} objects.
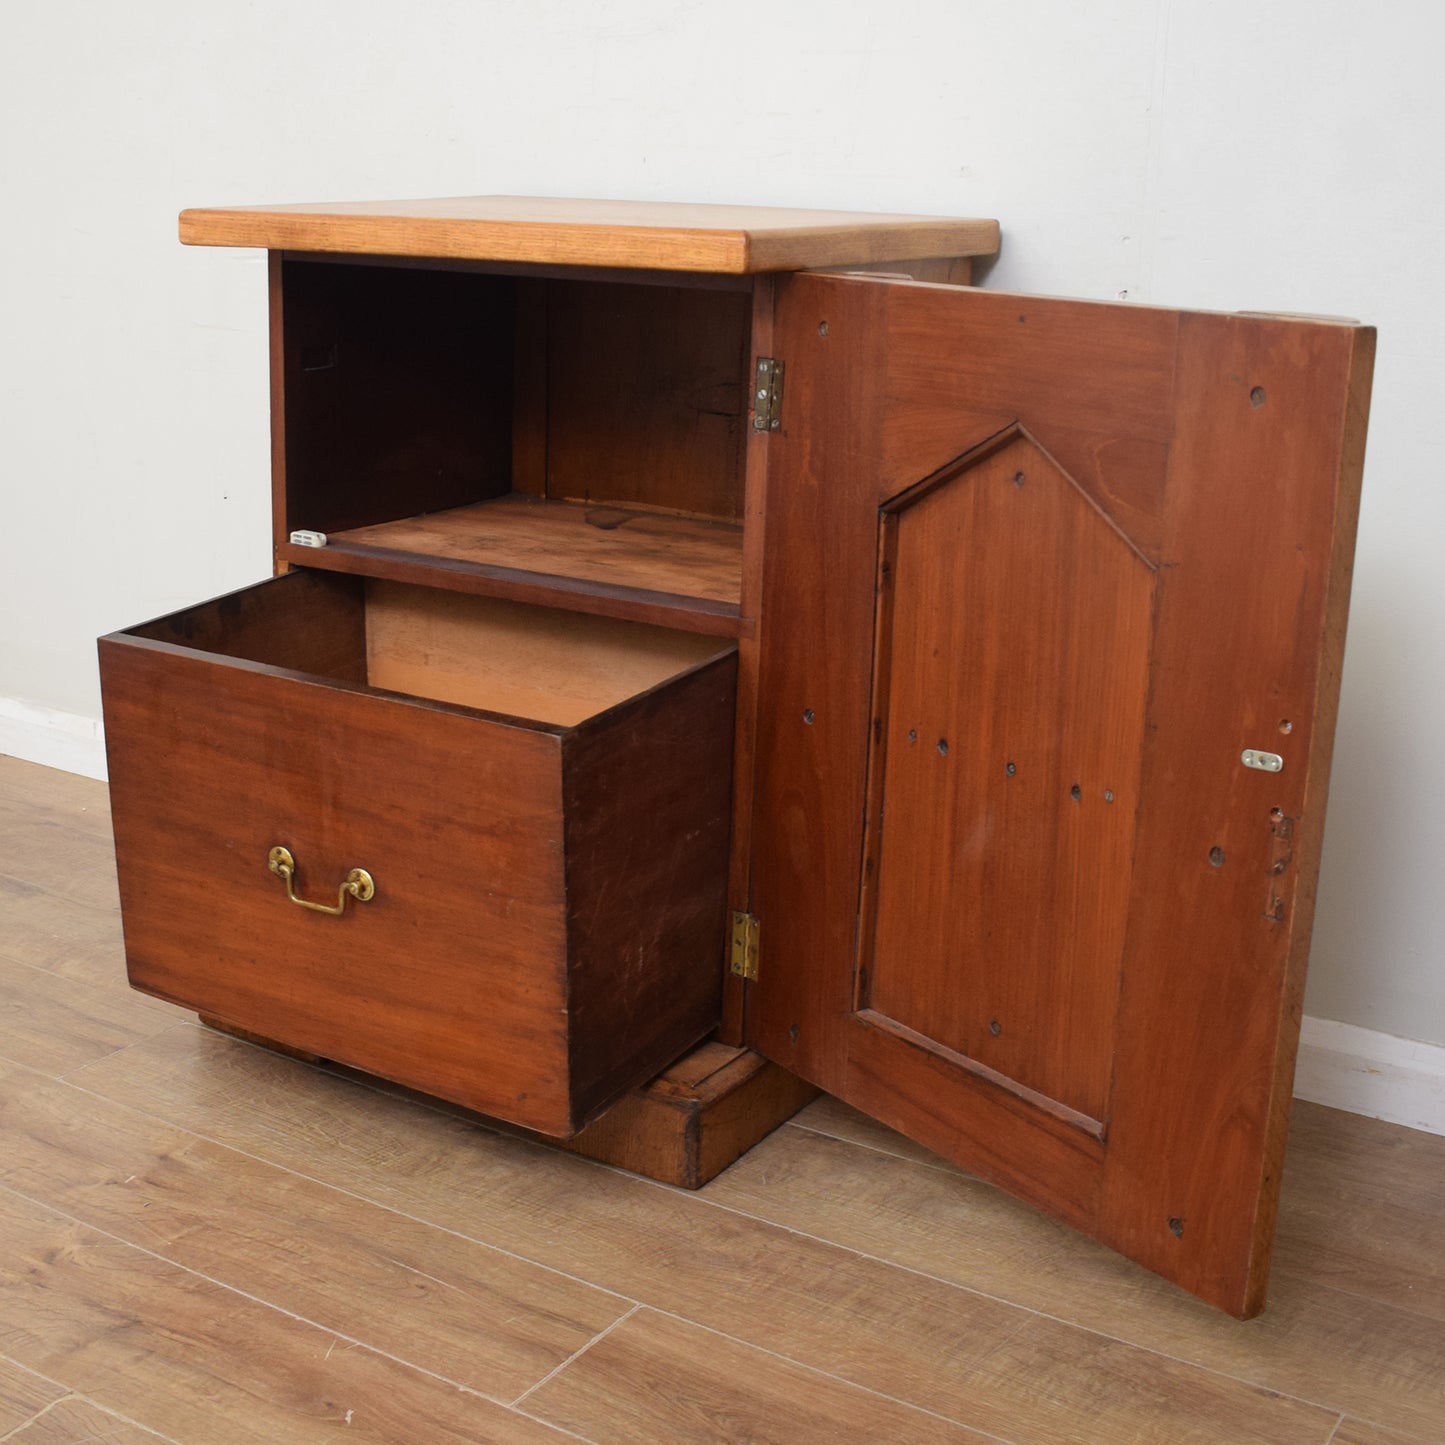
[
  {"x": 41, "y": 734},
  {"x": 1360, "y": 1070},
  {"x": 1367, "y": 1072}
]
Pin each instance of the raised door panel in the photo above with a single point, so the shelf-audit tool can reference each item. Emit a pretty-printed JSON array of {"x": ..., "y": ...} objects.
[
  {"x": 1038, "y": 574},
  {"x": 1009, "y": 687}
]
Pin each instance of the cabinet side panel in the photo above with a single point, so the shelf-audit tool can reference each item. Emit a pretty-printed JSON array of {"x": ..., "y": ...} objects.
[
  {"x": 648, "y": 789},
  {"x": 397, "y": 389}
]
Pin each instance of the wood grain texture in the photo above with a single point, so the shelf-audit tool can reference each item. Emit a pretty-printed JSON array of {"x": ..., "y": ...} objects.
[
  {"x": 57, "y": 1024},
  {"x": 216, "y": 758},
  {"x": 646, "y": 795},
  {"x": 1245, "y": 637},
  {"x": 39, "y": 847},
  {"x": 645, "y": 552},
  {"x": 1338, "y": 1349},
  {"x": 68, "y": 799},
  {"x": 696, "y": 1117},
  {"x": 1269, "y": 413},
  {"x": 543, "y": 230},
  {"x": 61, "y": 935},
  {"x": 484, "y": 1319},
  {"x": 1360, "y": 1432},
  {"x": 175, "y": 1352},
  {"x": 1093, "y": 383},
  {"x": 23, "y": 1395},
  {"x": 648, "y": 396},
  {"x": 73, "y": 1420},
  {"x": 542, "y": 663},
  {"x": 1358, "y": 1216},
  {"x": 900, "y": 1333},
  {"x": 1010, "y": 677},
  {"x": 1361, "y": 1209},
  {"x": 659, "y": 1378}
]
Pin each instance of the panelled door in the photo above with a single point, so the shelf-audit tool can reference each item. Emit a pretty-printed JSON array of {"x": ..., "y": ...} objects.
[{"x": 1054, "y": 607}]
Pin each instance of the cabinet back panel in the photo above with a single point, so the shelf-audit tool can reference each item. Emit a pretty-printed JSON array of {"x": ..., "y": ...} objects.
[
  {"x": 647, "y": 396},
  {"x": 397, "y": 391}
]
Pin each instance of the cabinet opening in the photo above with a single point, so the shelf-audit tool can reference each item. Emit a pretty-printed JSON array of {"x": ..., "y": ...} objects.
[{"x": 580, "y": 430}]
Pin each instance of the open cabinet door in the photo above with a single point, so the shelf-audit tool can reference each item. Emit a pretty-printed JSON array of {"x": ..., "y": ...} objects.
[{"x": 1054, "y": 607}]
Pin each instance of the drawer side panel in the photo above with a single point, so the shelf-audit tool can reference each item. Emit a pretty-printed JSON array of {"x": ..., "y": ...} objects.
[{"x": 648, "y": 790}]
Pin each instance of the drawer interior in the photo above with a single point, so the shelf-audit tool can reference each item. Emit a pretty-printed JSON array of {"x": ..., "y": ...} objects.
[{"x": 542, "y": 664}]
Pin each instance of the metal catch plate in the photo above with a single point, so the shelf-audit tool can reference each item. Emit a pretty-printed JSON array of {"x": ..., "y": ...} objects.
[{"x": 1261, "y": 762}]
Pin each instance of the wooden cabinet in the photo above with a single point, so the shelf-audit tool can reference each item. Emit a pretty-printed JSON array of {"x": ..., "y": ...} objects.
[{"x": 977, "y": 664}]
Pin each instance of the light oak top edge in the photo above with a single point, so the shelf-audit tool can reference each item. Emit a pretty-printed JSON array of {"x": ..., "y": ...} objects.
[{"x": 736, "y": 240}]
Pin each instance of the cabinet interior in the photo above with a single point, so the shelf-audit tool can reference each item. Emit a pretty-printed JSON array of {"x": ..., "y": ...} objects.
[{"x": 482, "y": 424}]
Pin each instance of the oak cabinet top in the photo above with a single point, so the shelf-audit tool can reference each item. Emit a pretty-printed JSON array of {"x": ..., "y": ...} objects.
[{"x": 657, "y": 235}]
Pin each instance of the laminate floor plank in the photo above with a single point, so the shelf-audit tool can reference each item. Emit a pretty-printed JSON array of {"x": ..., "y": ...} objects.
[
  {"x": 76, "y": 940},
  {"x": 55, "y": 1024},
  {"x": 1358, "y": 1432},
  {"x": 918, "y": 1339},
  {"x": 1363, "y": 1208},
  {"x": 83, "y": 802},
  {"x": 204, "y": 1365},
  {"x": 827, "y": 1115},
  {"x": 46, "y": 848},
  {"x": 1350, "y": 1354},
  {"x": 73, "y": 1420},
  {"x": 204, "y": 1240},
  {"x": 659, "y": 1378},
  {"x": 482, "y": 1318},
  {"x": 23, "y": 1395}
]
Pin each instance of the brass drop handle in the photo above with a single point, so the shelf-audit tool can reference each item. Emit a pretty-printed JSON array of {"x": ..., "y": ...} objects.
[{"x": 358, "y": 884}]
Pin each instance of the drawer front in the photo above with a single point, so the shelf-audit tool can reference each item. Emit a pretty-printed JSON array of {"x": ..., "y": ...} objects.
[{"x": 545, "y": 930}]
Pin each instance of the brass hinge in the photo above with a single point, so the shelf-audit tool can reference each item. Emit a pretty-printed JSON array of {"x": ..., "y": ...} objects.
[
  {"x": 768, "y": 395},
  {"x": 744, "y": 947}
]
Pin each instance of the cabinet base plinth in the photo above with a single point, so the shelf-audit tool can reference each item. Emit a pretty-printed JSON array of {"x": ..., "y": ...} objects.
[
  {"x": 683, "y": 1128},
  {"x": 694, "y": 1119}
]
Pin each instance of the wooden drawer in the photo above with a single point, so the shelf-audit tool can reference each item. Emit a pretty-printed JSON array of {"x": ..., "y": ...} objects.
[{"x": 541, "y": 798}]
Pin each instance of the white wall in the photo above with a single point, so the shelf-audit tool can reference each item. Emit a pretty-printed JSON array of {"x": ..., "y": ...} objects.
[{"x": 1235, "y": 155}]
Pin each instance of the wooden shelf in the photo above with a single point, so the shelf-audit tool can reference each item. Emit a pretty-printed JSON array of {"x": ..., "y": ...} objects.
[{"x": 645, "y": 566}]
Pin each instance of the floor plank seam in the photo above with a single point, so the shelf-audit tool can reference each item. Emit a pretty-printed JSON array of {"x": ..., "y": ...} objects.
[
  {"x": 939, "y": 1168},
  {"x": 352, "y": 1194},
  {"x": 839, "y": 1379},
  {"x": 1283, "y": 1272},
  {"x": 68, "y": 1077},
  {"x": 84, "y": 1399},
  {"x": 1015, "y": 1304},
  {"x": 698, "y": 1197},
  {"x": 253, "y": 1298},
  {"x": 575, "y": 1355},
  {"x": 40, "y": 1414},
  {"x": 552, "y": 1425}
]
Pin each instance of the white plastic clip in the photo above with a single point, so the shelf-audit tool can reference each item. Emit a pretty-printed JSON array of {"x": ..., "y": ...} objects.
[{"x": 308, "y": 539}]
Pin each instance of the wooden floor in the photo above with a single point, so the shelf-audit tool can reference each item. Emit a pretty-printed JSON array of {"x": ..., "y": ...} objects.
[{"x": 202, "y": 1241}]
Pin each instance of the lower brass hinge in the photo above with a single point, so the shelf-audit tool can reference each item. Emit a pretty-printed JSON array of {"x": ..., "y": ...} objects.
[
  {"x": 768, "y": 395},
  {"x": 744, "y": 947}
]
